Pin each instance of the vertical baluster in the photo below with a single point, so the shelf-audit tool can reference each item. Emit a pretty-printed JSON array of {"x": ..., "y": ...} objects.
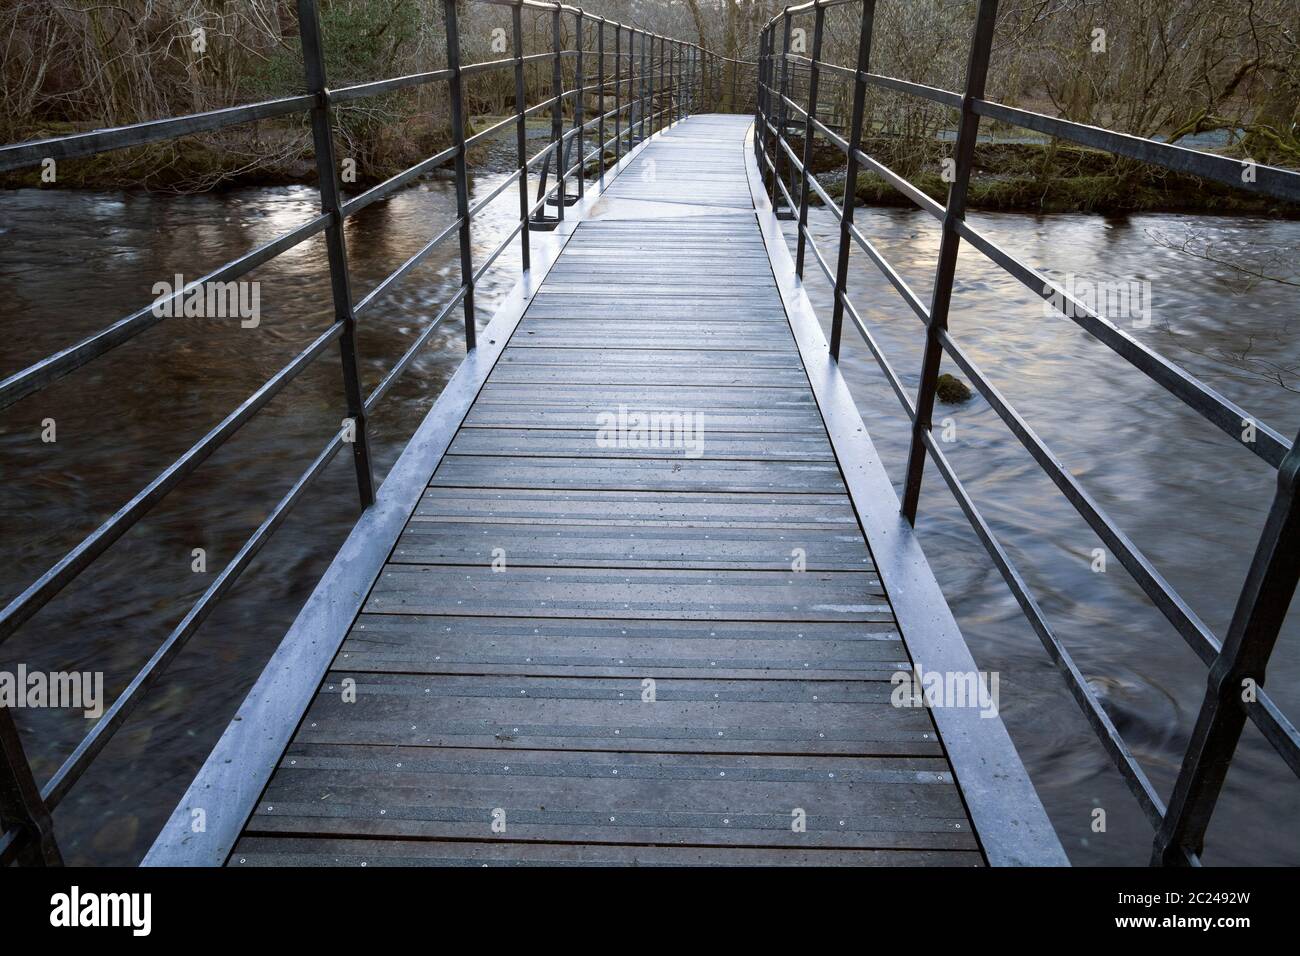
[
  {"x": 457, "y": 97},
  {"x": 663, "y": 82},
  {"x": 313, "y": 55},
  {"x": 557, "y": 112},
  {"x": 695, "y": 80},
  {"x": 758, "y": 103},
  {"x": 600, "y": 85},
  {"x": 778, "y": 154},
  {"x": 618, "y": 96},
  {"x": 633, "y": 88},
  {"x": 707, "y": 91},
  {"x": 521, "y": 135},
  {"x": 579, "y": 111},
  {"x": 805, "y": 179},
  {"x": 688, "y": 65},
  {"x": 760, "y": 106},
  {"x": 1258, "y": 617},
  {"x": 688, "y": 54},
  {"x": 976, "y": 73},
  {"x": 643, "y": 85},
  {"x": 851, "y": 173},
  {"x": 705, "y": 59},
  {"x": 650, "y": 79},
  {"x": 674, "y": 94},
  {"x": 684, "y": 78},
  {"x": 22, "y": 811}
]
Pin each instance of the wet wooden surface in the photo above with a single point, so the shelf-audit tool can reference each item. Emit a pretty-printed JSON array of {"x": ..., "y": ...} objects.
[{"x": 588, "y": 651}]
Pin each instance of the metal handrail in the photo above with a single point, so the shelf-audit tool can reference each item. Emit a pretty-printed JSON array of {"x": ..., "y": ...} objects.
[
  {"x": 25, "y": 807},
  {"x": 1238, "y": 661}
]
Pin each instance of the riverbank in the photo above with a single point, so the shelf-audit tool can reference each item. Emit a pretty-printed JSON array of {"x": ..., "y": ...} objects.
[
  {"x": 1052, "y": 178},
  {"x": 255, "y": 155}
]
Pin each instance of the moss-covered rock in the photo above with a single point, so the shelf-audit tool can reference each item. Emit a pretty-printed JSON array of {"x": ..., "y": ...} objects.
[{"x": 952, "y": 390}]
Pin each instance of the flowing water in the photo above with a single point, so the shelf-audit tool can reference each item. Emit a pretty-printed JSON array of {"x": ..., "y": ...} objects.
[{"x": 70, "y": 263}]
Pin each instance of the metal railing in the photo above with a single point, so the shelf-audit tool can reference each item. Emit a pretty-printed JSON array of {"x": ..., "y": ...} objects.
[
  {"x": 1237, "y": 664},
  {"x": 654, "y": 81}
]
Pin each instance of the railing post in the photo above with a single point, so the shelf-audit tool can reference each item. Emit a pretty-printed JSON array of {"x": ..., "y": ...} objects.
[
  {"x": 688, "y": 80},
  {"x": 631, "y": 87},
  {"x": 313, "y": 55},
  {"x": 557, "y": 113},
  {"x": 643, "y": 85},
  {"x": 684, "y": 78},
  {"x": 760, "y": 105},
  {"x": 618, "y": 96},
  {"x": 1237, "y": 673},
  {"x": 462, "y": 169},
  {"x": 976, "y": 73},
  {"x": 805, "y": 180},
  {"x": 600, "y": 84},
  {"x": 778, "y": 154},
  {"x": 650, "y": 102},
  {"x": 521, "y": 135},
  {"x": 708, "y": 81},
  {"x": 22, "y": 810},
  {"x": 851, "y": 173},
  {"x": 765, "y": 111},
  {"x": 579, "y": 112},
  {"x": 665, "y": 93},
  {"x": 663, "y": 81},
  {"x": 697, "y": 90},
  {"x": 707, "y": 84},
  {"x": 634, "y": 116},
  {"x": 683, "y": 66},
  {"x": 674, "y": 80}
]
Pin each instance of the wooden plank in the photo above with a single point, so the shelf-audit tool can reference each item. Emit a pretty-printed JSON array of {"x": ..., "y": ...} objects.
[
  {"x": 613, "y": 509},
  {"x": 579, "y": 333},
  {"x": 659, "y": 309},
  {"x": 293, "y": 851},
  {"x": 640, "y": 474},
  {"x": 593, "y": 546},
  {"x": 608, "y": 714},
  {"x": 631, "y": 592},
  {"x": 654, "y": 374},
  {"x": 678, "y": 437},
  {"x": 752, "y": 399},
  {"x": 675, "y": 358},
  {"x": 407, "y": 792},
  {"x": 417, "y": 644},
  {"x": 574, "y": 416}
]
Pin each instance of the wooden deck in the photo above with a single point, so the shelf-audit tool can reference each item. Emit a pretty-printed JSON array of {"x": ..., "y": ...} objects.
[{"x": 644, "y": 678}]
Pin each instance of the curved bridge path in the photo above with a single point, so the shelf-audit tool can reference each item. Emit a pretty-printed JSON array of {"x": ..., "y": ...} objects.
[{"x": 634, "y": 594}]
